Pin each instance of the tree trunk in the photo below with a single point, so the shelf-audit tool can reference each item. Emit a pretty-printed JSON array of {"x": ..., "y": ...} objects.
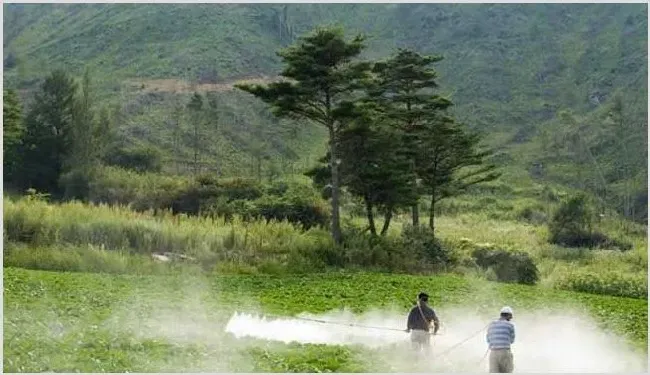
[
  {"x": 432, "y": 213},
  {"x": 196, "y": 145},
  {"x": 415, "y": 209},
  {"x": 371, "y": 218},
  {"x": 387, "y": 217},
  {"x": 336, "y": 224},
  {"x": 416, "y": 215}
]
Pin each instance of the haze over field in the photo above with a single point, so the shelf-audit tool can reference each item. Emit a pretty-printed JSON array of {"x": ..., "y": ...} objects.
[{"x": 266, "y": 187}]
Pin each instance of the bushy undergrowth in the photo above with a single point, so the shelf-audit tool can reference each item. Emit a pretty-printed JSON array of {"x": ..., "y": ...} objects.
[
  {"x": 421, "y": 241},
  {"x": 140, "y": 191},
  {"x": 572, "y": 225},
  {"x": 254, "y": 246},
  {"x": 532, "y": 215},
  {"x": 138, "y": 158},
  {"x": 508, "y": 266},
  {"x": 117, "y": 228},
  {"x": 608, "y": 283},
  {"x": 85, "y": 259},
  {"x": 293, "y": 201}
]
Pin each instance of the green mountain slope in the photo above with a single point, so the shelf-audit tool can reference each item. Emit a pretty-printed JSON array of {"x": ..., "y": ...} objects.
[{"x": 509, "y": 69}]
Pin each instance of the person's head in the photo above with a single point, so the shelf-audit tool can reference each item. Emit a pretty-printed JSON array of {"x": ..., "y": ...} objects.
[
  {"x": 506, "y": 313},
  {"x": 423, "y": 297}
]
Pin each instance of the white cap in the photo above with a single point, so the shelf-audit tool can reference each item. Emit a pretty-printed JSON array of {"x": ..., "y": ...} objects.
[{"x": 506, "y": 310}]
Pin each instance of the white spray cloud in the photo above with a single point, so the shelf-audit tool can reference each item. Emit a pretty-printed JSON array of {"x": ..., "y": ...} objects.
[{"x": 546, "y": 341}]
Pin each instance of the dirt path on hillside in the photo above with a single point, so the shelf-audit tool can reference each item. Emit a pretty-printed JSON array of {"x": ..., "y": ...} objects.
[{"x": 181, "y": 86}]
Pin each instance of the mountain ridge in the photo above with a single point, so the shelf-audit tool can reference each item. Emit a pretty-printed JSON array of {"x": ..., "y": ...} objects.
[{"x": 509, "y": 68}]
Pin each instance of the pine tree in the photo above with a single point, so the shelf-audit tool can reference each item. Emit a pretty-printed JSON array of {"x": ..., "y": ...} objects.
[
  {"x": 403, "y": 89},
  {"x": 449, "y": 161},
  {"x": 13, "y": 131},
  {"x": 195, "y": 107},
  {"x": 49, "y": 128},
  {"x": 371, "y": 166},
  {"x": 320, "y": 78}
]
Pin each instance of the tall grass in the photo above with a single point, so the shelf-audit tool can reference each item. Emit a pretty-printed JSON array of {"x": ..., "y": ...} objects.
[
  {"x": 86, "y": 259},
  {"x": 118, "y": 228},
  {"x": 278, "y": 247},
  {"x": 141, "y": 191}
]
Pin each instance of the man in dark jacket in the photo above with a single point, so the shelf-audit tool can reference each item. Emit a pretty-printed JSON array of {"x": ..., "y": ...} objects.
[{"x": 419, "y": 323}]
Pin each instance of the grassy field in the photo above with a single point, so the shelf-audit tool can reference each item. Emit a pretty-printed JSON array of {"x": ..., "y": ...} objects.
[
  {"x": 279, "y": 246},
  {"x": 111, "y": 308},
  {"x": 115, "y": 323}
]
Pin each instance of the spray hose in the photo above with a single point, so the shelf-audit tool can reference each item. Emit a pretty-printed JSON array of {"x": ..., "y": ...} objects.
[
  {"x": 464, "y": 341},
  {"x": 449, "y": 350},
  {"x": 341, "y": 323},
  {"x": 381, "y": 328}
]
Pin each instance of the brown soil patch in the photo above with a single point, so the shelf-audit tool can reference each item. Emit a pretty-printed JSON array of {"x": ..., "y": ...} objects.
[{"x": 180, "y": 86}]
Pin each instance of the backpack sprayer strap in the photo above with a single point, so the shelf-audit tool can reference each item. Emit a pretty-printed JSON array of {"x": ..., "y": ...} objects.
[{"x": 422, "y": 313}]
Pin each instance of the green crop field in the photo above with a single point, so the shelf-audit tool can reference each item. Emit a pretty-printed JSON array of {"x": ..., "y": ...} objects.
[
  {"x": 107, "y": 323},
  {"x": 168, "y": 224}
]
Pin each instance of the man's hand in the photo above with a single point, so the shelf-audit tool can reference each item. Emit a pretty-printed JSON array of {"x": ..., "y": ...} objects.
[{"x": 407, "y": 330}]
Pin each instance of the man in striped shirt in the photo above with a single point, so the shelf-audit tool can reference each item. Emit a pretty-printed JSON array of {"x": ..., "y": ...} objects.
[{"x": 500, "y": 335}]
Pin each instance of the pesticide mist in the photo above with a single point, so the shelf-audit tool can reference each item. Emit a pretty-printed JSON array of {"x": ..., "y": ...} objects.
[{"x": 545, "y": 341}]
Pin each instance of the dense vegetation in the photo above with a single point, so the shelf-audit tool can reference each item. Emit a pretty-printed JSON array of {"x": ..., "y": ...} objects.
[
  {"x": 510, "y": 69},
  {"x": 464, "y": 144}
]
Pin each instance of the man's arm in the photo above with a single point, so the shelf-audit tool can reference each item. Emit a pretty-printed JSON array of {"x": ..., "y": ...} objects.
[
  {"x": 512, "y": 334},
  {"x": 409, "y": 321},
  {"x": 487, "y": 335},
  {"x": 436, "y": 322}
]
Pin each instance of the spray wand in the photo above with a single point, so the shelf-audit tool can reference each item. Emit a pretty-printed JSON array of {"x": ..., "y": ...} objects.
[{"x": 343, "y": 324}]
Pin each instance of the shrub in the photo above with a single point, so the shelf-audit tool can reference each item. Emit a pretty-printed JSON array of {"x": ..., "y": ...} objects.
[
  {"x": 572, "y": 218},
  {"x": 278, "y": 188},
  {"x": 75, "y": 184},
  {"x": 239, "y": 188},
  {"x": 307, "y": 212},
  {"x": 142, "y": 191},
  {"x": 509, "y": 266},
  {"x": 213, "y": 196},
  {"x": 191, "y": 200},
  {"x": 422, "y": 242},
  {"x": 365, "y": 251},
  {"x": 590, "y": 240},
  {"x": 532, "y": 216},
  {"x": 610, "y": 283},
  {"x": 571, "y": 226},
  {"x": 136, "y": 158}
]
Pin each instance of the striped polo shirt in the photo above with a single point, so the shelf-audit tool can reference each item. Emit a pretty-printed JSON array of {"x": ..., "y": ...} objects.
[{"x": 500, "y": 334}]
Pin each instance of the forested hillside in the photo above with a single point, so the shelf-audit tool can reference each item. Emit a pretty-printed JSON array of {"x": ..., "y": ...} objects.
[
  {"x": 207, "y": 187},
  {"x": 560, "y": 90}
]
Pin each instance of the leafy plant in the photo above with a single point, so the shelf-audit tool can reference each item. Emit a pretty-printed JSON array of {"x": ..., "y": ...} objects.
[
  {"x": 509, "y": 266},
  {"x": 609, "y": 283},
  {"x": 572, "y": 225},
  {"x": 421, "y": 242}
]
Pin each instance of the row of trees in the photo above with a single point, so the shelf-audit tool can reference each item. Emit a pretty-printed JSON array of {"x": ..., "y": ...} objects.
[
  {"x": 61, "y": 135},
  {"x": 391, "y": 138},
  {"x": 54, "y": 144}
]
